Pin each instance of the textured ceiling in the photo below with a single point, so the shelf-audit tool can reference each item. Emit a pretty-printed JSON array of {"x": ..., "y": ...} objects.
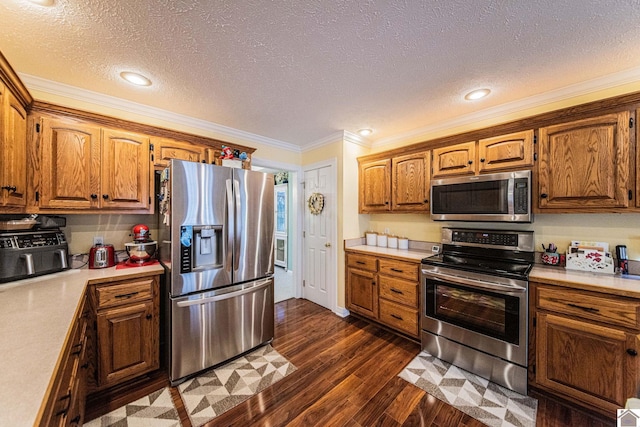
[{"x": 298, "y": 71}]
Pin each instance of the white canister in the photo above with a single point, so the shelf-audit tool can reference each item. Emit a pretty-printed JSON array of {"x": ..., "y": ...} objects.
[
  {"x": 392, "y": 242},
  {"x": 371, "y": 238},
  {"x": 403, "y": 243},
  {"x": 382, "y": 240}
]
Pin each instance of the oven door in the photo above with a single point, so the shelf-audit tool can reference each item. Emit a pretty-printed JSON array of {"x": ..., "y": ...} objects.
[{"x": 479, "y": 311}]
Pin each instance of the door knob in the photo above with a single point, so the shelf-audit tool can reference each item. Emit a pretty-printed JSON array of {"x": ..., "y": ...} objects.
[{"x": 327, "y": 245}]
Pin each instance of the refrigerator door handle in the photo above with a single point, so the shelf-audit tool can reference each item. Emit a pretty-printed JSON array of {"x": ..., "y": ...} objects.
[
  {"x": 239, "y": 223},
  {"x": 231, "y": 226},
  {"x": 223, "y": 297}
]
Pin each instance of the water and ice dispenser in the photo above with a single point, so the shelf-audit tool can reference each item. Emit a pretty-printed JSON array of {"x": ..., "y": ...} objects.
[{"x": 201, "y": 247}]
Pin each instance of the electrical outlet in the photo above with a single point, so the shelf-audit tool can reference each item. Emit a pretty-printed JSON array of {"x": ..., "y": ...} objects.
[
  {"x": 435, "y": 249},
  {"x": 98, "y": 240}
]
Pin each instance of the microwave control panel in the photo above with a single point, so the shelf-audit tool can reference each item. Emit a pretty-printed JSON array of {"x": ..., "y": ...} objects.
[{"x": 521, "y": 196}]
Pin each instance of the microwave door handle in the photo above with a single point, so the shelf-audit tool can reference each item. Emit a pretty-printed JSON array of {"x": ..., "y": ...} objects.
[
  {"x": 510, "y": 199},
  {"x": 223, "y": 297},
  {"x": 474, "y": 283}
]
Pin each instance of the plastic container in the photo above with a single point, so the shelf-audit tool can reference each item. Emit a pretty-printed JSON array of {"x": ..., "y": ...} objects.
[
  {"x": 392, "y": 242},
  {"x": 403, "y": 243},
  {"x": 372, "y": 238},
  {"x": 382, "y": 240}
]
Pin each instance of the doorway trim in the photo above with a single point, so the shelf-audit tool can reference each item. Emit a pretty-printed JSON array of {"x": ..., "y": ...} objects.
[
  {"x": 296, "y": 262},
  {"x": 332, "y": 279}
]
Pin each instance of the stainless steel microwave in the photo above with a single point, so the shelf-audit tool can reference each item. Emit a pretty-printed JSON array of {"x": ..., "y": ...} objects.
[{"x": 498, "y": 197}]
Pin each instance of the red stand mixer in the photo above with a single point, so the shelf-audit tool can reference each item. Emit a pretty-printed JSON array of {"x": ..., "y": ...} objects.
[{"x": 142, "y": 250}]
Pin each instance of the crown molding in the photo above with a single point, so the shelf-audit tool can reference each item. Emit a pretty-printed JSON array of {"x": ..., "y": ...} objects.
[
  {"x": 495, "y": 113},
  {"x": 354, "y": 138},
  {"x": 91, "y": 97},
  {"x": 334, "y": 137}
]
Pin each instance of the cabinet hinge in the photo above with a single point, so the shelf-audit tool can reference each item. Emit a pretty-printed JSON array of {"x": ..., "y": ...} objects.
[
  {"x": 631, "y": 122},
  {"x": 535, "y": 139},
  {"x": 152, "y": 158},
  {"x": 149, "y": 199},
  {"x": 534, "y": 322},
  {"x": 37, "y": 196},
  {"x": 150, "y": 147},
  {"x": 630, "y": 195},
  {"x": 533, "y": 368},
  {"x": 37, "y": 127},
  {"x": 535, "y": 157}
]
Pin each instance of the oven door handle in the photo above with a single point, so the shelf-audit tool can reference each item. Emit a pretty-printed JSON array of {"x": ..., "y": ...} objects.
[{"x": 474, "y": 283}]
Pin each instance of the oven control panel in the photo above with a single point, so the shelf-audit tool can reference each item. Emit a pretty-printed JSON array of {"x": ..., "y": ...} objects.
[{"x": 484, "y": 238}]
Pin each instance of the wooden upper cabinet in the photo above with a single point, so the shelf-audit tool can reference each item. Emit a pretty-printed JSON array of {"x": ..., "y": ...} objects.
[
  {"x": 375, "y": 186},
  {"x": 506, "y": 151},
  {"x": 165, "y": 149},
  {"x": 85, "y": 167},
  {"x": 69, "y": 165},
  {"x": 13, "y": 150},
  {"x": 125, "y": 170},
  {"x": 411, "y": 182},
  {"x": 458, "y": 159},
  {"x": 585, "y": 164}
]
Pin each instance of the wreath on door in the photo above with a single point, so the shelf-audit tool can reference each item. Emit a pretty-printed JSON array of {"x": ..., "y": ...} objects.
[{"x": 316, "y": 203}]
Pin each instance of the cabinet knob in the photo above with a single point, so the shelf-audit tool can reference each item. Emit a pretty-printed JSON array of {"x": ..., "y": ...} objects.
[
  {"x": 482, "y": 160},
  {"x": 386, "y": 202},
  {"x": 426, "y": 201},
  {"x": 632, "y": 352},
  {"x": 94, "y": 196},
  {"x": 11, "y": 188},
  {"x": 105, "y": 196},
  {"x": 373, "y": 283},
  {"x": 470, "y": 162},
  {"x": 544, "y": 195},
  {"x": 149, "y": 316}
]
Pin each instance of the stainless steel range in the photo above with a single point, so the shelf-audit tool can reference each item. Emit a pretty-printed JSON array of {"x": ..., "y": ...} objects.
[{"x": 474, "y": 303}]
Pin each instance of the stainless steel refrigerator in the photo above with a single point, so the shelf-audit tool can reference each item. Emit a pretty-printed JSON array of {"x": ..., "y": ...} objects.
[{"x": 216, "y": 242}]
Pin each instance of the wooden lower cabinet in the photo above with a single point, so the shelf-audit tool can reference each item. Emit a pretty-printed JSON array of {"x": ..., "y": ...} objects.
[
  {"x": 66, "y": 404},
  {"x": 385, "y": 290},
  {"x": 586, "y": 347},
  {"x": 127, "y": 330}
]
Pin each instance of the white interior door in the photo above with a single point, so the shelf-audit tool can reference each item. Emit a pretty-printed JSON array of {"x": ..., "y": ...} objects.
[{"x": 319, "y": 258}]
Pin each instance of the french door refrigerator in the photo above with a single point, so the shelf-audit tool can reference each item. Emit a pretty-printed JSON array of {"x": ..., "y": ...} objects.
[{"x": 217, "y": 245}]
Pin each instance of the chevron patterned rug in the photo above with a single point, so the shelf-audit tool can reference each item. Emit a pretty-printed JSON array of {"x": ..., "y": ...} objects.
[
  {"x": 477, "y": 397},
  {"x": 155, "y": 410},
  {"x": 214, "y": 392}
]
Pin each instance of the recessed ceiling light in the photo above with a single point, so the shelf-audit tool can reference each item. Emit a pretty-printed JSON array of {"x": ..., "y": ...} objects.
[
  {"x": 135, "y": 78},
  {"x": 43, "y": 2},
  {"x": 365, "y": 132},
  {"x": 477, "y": 94}
]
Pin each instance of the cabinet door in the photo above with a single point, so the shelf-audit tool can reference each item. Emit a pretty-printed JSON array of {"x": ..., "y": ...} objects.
[
  {"x": 127, "y": 343},
  {"x": 13, "y": 150},
  {"x": 411, "y": 182},
  {"x": 456, "y": 159},
  {"x": 165, "y": 149},
  {"x": 585, "y": 164},
  {"x": 70, "y": 167},
  {"x": 126, "y": 173},
  {"x": 587, "y": 362},
  {"x": 506, "y": 151},
  {"x": 362, "y": 292},
  {"x": 375, "y": 185}
]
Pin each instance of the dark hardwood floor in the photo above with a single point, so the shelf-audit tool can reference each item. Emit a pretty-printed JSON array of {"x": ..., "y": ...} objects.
[{"x": 347, "y": 375}]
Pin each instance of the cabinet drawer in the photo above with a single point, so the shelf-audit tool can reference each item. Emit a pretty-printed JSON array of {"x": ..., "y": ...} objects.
[
  {"x": 399, "y": 290},
  {"x": 401, "y": 269},
  {"x": 399, "y": 317},
  {"x": 362, "y": 262},
  {"x": 605, "y": 308},
  {"x": 124, "y": 293}
]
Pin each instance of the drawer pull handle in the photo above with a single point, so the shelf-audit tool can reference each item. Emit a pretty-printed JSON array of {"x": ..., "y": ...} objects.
[
  {"x": 395, "y": 316},
  {"x": 632, "y": 352},
  {"x": 589, "y": 309},
  {"x": 360, "y": 262},
  {"x": 396, "y": 291},
  {"x": 397, "y": 270},
  {"x": 127, "y": 295}
]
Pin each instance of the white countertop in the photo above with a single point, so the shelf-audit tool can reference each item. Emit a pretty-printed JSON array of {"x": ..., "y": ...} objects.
[
  {"x": 409, "y": 254},
  {"x": 614, "y": 284},
  {"x": 35, "y": 318}
]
